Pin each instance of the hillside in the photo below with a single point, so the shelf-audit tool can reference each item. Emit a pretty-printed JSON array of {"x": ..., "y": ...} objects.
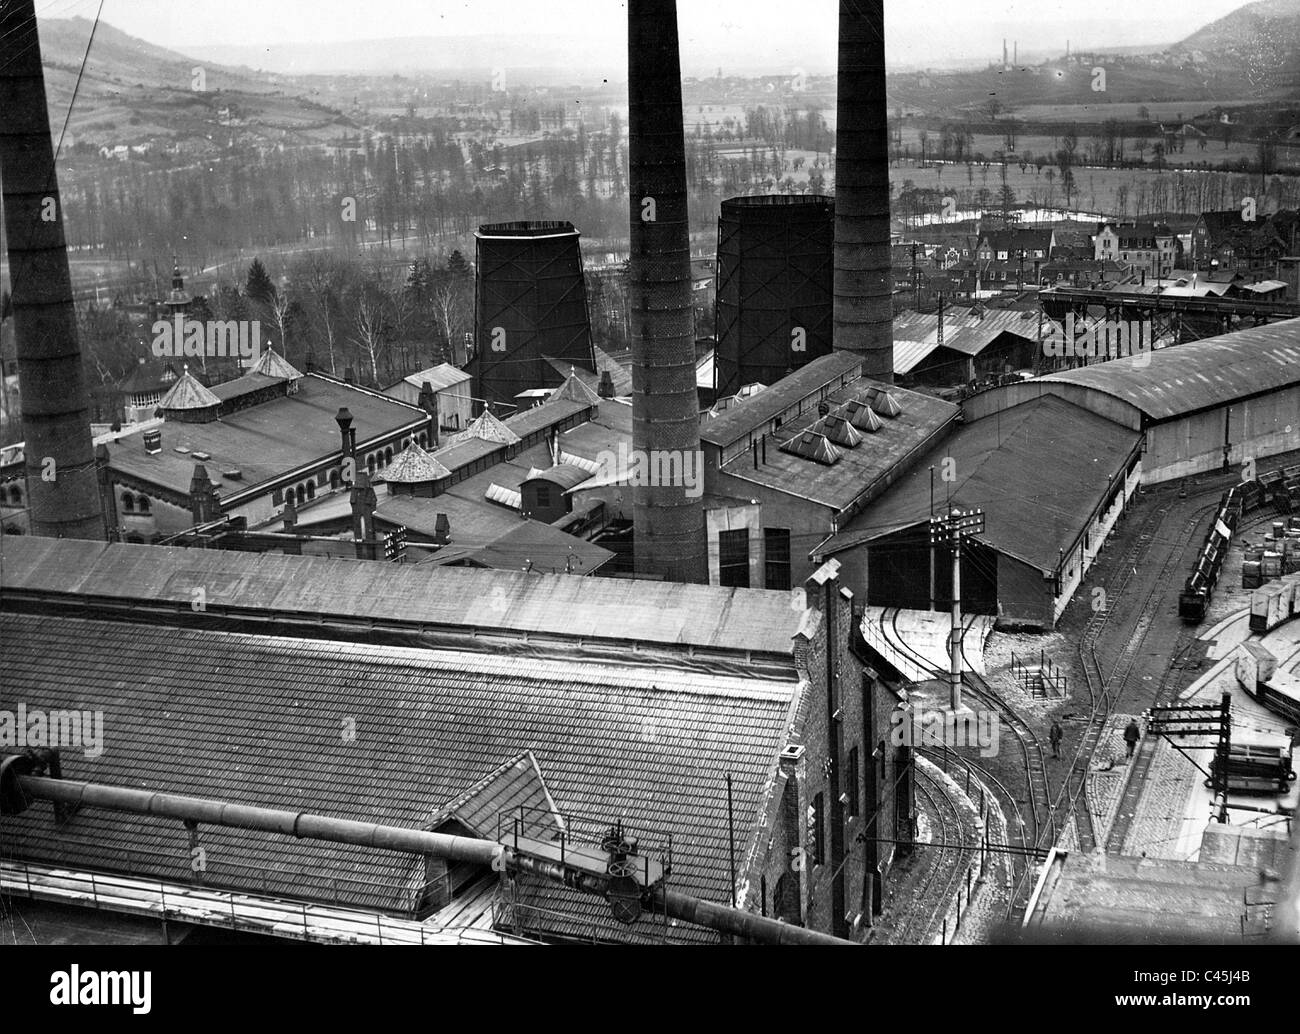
[
  {"x": 133, "y": 92},
  {"x": 1263, "y": 39}
]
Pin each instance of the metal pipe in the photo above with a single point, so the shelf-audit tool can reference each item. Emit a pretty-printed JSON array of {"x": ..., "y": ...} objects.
[
  {"x": 305, "y": 826},
  {"x": 63, "y": 488}
]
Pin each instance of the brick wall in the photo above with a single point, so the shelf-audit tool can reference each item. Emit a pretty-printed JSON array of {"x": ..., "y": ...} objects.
[{"x": 844, "y": 711}]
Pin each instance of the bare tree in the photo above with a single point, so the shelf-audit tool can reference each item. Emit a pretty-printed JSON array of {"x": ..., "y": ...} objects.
[{"x": 368, "y": 325}]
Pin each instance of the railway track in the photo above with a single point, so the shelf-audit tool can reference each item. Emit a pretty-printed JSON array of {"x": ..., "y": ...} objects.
[
  {"x": 919, "y": 925},
  {"x": 1034, "y": 763},
  {"x": 1145, "y": 754}
]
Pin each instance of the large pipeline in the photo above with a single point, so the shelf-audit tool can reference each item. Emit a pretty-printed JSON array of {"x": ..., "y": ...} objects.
[
  {"x": 60, "y": 460},
  {"x": 72, "y": 794},
  {"x": 668, "y": 522},
  {"x": 863, "y": 278}
]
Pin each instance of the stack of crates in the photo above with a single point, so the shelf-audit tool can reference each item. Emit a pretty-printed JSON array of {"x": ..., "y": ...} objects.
[
  {"x": 1270, "y": 606},
  {"x": 1271, "y": 565}
]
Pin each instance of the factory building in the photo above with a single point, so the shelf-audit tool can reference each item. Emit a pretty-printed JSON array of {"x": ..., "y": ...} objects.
[
  {"x": 1052, "y": 479},
  {"x": 575, "y": 703},
  {"x": 1201, "y": 406}
]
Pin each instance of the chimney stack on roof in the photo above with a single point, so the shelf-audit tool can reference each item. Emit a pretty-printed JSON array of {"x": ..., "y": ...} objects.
[
  {"x": 863, "y": 277},
  {"x": 63, "y": 486},
  {"x": 668, "y": 524},
  {"x": 204, "y": 505},
  {"x": 363, "y": 502}
]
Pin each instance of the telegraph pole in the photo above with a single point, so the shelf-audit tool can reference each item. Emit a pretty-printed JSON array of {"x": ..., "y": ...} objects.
[{"x": 952, "y": 528}]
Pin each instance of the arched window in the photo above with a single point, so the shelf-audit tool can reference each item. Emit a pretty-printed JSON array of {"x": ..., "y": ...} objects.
[
  {"x": 422, "y": 440},
  {"x": 128, "y": 502},
  {"x": 144, "y": 504},
  {"x": 388, "y": 456},
  {"x": 302, "y": 495},
  {"x": 16, "y": 495},
  {"x": 370, "y": 464},
  {"x": 334, "y": 479},
  {"x": 311, "y": 490}
]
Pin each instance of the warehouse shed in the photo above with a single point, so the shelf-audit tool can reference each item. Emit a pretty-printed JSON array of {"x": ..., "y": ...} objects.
[{"x": 1201, "y": 405}]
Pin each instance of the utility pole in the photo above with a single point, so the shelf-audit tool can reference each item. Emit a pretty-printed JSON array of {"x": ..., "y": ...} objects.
[
  {"x": 952, "y": 528},
  {"x": 932, "y": 607}
]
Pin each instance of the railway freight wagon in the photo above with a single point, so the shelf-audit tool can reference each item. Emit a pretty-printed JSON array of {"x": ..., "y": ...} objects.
[
  {"x": 1198, "y": 591},
  {"x": 1257, "y": 762},
  {"x": 1257, "y": 673}
]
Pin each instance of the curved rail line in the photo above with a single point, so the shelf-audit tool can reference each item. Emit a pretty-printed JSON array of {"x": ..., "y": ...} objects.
[{"x": 918, "y": 925}]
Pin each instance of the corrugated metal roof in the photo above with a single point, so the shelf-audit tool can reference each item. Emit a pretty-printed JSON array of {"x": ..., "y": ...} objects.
[
  {"x": 1171, "y": 382},
  {"x": 738, "y": 421},
  {"x": 652, "y": 612},
  {"x": 1037, "y": 470},
  {"x": 381, "y": 734}
]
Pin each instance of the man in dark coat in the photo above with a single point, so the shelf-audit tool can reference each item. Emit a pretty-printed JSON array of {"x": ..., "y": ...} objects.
[
  {"x": 1055, "y": 734},
  {"x": 1131, "y": 736}
]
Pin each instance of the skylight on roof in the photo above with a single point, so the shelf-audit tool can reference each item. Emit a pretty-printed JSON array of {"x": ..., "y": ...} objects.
[{"x": 812, "y": 446}]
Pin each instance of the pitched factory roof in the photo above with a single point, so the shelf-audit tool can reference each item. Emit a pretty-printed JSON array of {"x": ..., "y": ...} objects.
[
  {"x": 740, "y": 420},
  {"x": 838, "y": 482},
  {"x": 533, "y": 546},
  {"x": 653, "y": 612},
  {"x": 258, "y": 720},
  {"x": 444, "y": 375},
  {"x": 1046, "y": 458},
  {"x": 1172, "y": 382},
  {"x": 267, "y": 440}
]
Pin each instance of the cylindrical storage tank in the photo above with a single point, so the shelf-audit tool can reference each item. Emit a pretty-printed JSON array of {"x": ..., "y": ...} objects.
[
  {"x": 530, "y": 305},
  {"x": 776, "y": 288}
]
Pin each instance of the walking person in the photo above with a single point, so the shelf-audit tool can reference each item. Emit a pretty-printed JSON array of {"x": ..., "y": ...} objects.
[
  {"x": 1131, "y": 736},
  {"x": 1056, "y": 734}
]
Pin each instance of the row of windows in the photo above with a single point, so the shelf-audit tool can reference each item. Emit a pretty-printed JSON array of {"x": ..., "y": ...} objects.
[
  {"x": 376, "y": 460},
  {"x": 135, "y": 504}
]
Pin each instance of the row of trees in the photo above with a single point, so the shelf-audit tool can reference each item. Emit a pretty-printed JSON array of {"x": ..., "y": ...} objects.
[{"x": 380, "y": 320}]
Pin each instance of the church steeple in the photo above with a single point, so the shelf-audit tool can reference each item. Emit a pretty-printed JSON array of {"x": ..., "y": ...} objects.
[{"x": 178, "y": 302}]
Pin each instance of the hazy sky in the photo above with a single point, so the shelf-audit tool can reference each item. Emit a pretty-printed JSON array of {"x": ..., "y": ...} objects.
[{"x": 919, "y": 31}]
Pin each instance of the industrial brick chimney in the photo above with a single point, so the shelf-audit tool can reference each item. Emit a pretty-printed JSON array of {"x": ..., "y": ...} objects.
[
  {"x": 863, "y": 288},
  {"x": 669, "y": 525},
  {"x": 60, "y": 460}
]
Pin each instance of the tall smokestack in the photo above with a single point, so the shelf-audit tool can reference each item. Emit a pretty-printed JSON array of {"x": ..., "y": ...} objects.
[
  {"x": 863, "y": 290},
  {"x": 669, "y": 524},
  {"x": 61, "y": 476}
]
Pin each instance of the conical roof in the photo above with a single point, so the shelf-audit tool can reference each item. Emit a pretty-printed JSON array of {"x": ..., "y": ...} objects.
[
  {"x": 270, "y": 364},
  {"x": 413, "y": 466},
  {"x": 188, "y": 393},
  {"x": 486, "y": 428},
  {"x": 574, "y": 390}
]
